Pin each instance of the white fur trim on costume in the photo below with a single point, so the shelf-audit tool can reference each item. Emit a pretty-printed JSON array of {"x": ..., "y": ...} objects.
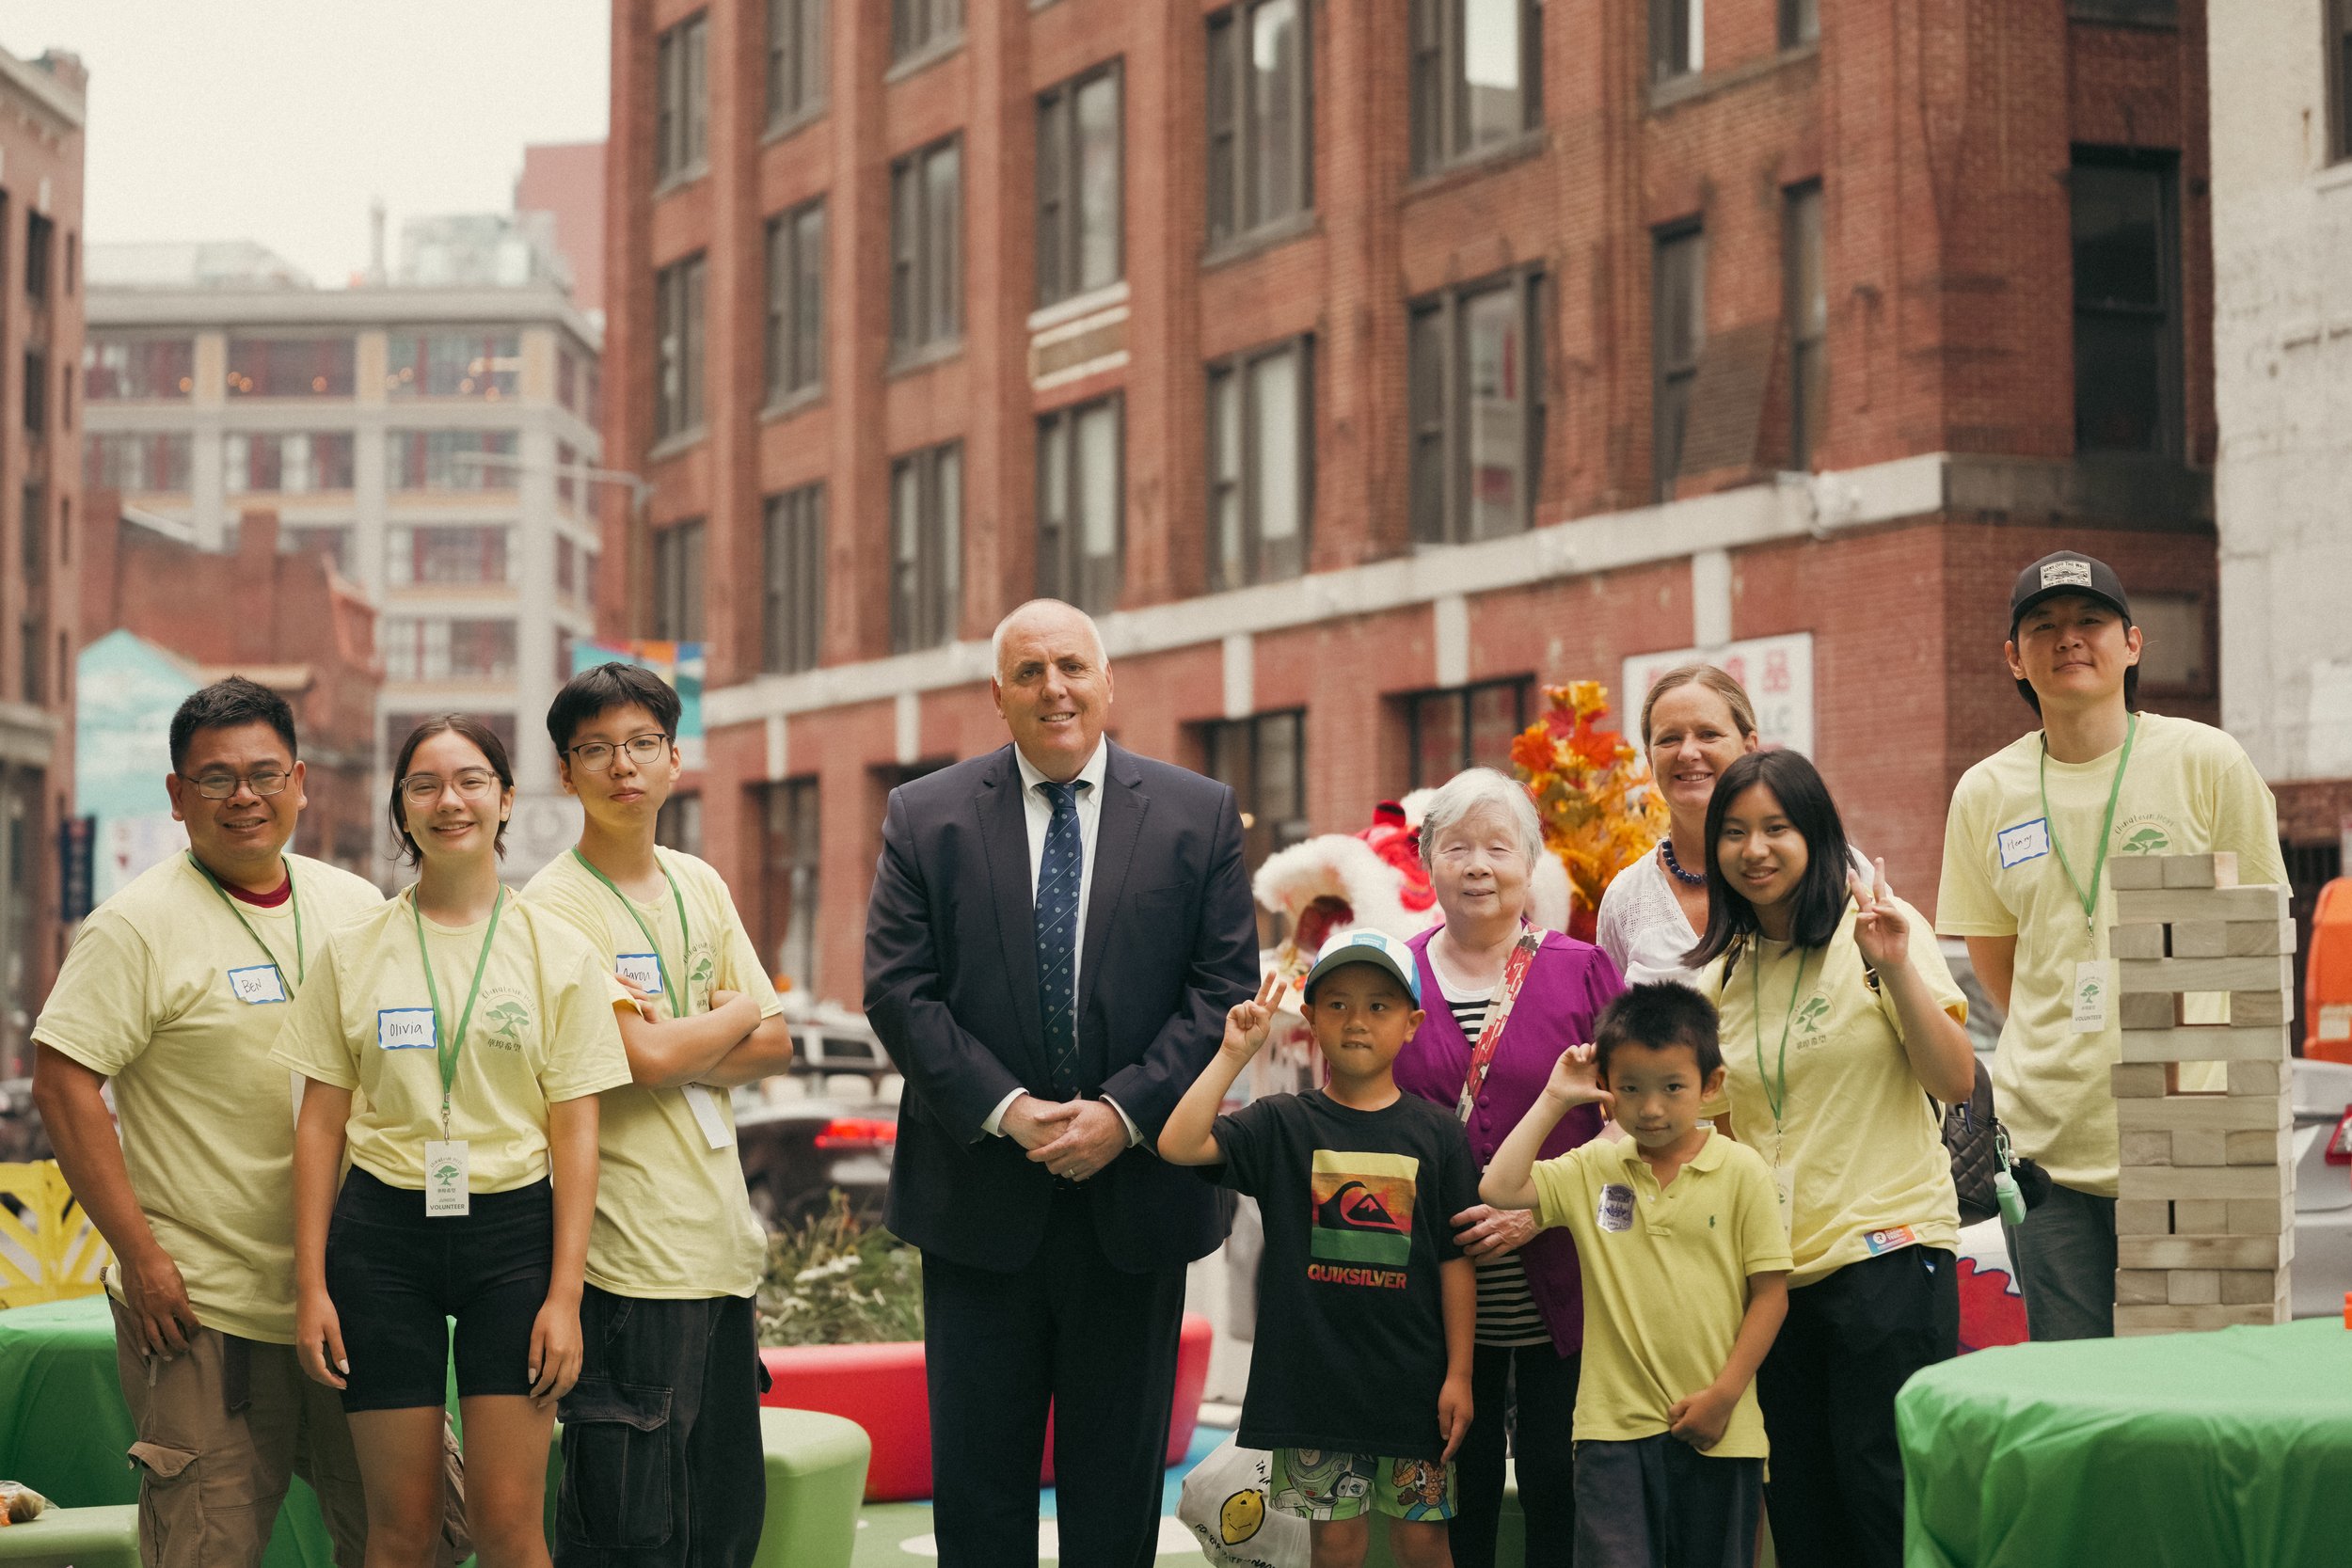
[{"x": 1341, "y": 866}]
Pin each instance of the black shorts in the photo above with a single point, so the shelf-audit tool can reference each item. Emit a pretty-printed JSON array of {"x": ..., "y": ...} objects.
[{"x": 396, "y": 1279}]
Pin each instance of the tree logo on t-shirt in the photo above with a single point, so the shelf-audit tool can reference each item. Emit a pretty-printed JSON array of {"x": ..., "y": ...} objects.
[
  {"x": 508, "y": 1021},
  {"x": 1813, "y": 1014},
  {"x": 2148, "y": 841}
]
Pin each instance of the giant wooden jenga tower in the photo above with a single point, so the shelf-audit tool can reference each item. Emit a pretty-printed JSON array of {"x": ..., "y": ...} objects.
[{"x": 2205, "y": 1213}]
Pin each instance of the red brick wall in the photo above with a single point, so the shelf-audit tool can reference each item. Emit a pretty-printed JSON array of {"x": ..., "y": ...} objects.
[{"x": 568, "y": 179}]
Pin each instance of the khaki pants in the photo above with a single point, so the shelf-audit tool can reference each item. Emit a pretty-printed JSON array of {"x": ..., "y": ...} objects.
[{"x": 221, "y": 1429}]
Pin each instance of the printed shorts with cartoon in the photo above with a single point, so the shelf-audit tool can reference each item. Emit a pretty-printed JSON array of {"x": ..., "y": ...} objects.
[{"x": 1324, "y": 1483}]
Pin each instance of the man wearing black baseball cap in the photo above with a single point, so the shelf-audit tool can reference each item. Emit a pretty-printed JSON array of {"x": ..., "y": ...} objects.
[{"x": 2025, "y": 853}]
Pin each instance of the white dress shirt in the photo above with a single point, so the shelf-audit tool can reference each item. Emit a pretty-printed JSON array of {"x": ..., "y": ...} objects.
[{"x": 1037, "y": 815}]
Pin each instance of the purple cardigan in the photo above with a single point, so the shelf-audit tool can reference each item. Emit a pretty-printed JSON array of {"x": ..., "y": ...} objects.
[{"x": 1566, "y": 989}]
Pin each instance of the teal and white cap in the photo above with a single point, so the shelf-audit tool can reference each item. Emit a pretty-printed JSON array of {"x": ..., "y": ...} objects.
[{"x": 1366, "y": 947}]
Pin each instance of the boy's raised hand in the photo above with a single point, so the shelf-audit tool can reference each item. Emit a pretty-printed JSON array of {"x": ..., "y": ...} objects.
[
  {"x": 1246, "y": 1022},
  {"x": 1576, "y": 1080}
]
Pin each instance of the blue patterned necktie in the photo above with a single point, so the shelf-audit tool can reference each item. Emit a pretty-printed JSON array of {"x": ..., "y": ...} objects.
[{"x": 1058, "y": 876}]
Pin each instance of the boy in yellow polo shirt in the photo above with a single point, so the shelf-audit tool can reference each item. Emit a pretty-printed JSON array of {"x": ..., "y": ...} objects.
[
  {"x": 1686, "y": 1281},
  {"x": 662, "y": 1449}
]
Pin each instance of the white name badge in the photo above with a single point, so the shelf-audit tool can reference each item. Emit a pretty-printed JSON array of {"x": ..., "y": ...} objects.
[
  {"x": 704, "y": 1102},
  {"x": 1615, "y": 1211},
  {"x": 642, "y": 970},
  {"x": 2027, "y": 840},
  {"x": 445, "y": 1171},
  {"x": 261, "y": 983},
  {"x": 2094, "y": 989},
  {"x": 1785, "y": 1188},
  {"x": 405, "y": 1029}
]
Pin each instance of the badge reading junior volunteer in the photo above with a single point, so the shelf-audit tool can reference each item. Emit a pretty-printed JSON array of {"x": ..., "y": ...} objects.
[
  {"x": 704, "y": 1102},
  {"x": 2094, "y": 984},
  {"x": 258, "y": 984},
  {"x": 1615, "y": 1210},
  {"x": 405, "y": 1029},
  {"x": 445, "y": 1169}
]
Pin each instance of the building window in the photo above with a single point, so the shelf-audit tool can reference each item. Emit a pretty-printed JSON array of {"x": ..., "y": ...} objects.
[
  {"x": 679, "y": 827},
  {"x": 681, "y": 132},
  {"x": 1464, "y": 726},
  {"x": 332, "y": 540},
  {"x": 1799, "y": 22},
  {"x": 1261, "y": 127},
  {"x": 40, "y": 234},
  {"x": 137, "y": 461},
  {"x": 450, "y": 459},
  {"x": 2339, "y": 79},
  {"x": 678, "y": 291},
  {"x": 137, "y": 367},
  {"x": 1678, "y": 332},
  {"x": 926, "y": 548},
  {"x": 291, "y": 465},
  {"x": 1477, "y": 77},
  {"x": 1078, "y": 199},
  {"x": 464, "y": 553},
  {"x": 2175, "y": 659},
  {"x": 567, "y": 476},
  {"x": 289, "y": 367},
  {"x": 65, "y": 397},
  {"x": 677, "y": 582},
  {"x": 1678, "y": 37},
  {"x": 2127, "y": 393},
  {"x": 796, "y": 301},
  {"x": 926, "y": 247},
  {"x": 36, "y": 391},
  {"x": 438, "y": 649},
  {"x": 567, "y": 377},
  {"x": 796, "y": 58},
  {"x": 1808, "y": 325},
  {"x": 920, "y": 26},
  {"x": 452, "y": 365},
  {"x": 793, "y": 616},
  {"x": 789, "y": 825},
  {"x": 1477, "y": 387},
  {"x": 1265, "y": 761},
  {"x": 567, "y": 568},
  {"x": 1078, "y": 510},
  {"x": 1262, "y": 445},
  {"x": 32, "y": 527}
]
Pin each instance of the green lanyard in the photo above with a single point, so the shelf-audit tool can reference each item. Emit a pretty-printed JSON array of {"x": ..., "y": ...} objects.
[
  {"x": 446, "y": 1045},
  {"x": 1775, "y": 1094},
  {"x": 2106, "y": 827},
  {"x": 293, "y": 896},
  {"x": 685, "y": 936}
]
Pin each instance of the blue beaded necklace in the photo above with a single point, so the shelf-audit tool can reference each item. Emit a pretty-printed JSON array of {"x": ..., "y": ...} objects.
[{"x": 1666, "y": 850}]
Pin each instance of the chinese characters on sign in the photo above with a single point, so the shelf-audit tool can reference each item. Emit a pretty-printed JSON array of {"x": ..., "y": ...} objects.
[{"x": 1777, "y": 672}]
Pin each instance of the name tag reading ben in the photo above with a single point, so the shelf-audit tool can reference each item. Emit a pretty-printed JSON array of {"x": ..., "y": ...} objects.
[
  {"x": 2027, "y": 840},
  {"x": 405, "y": 1029},
  {"x": 642, "y": 970},
  {"x": 257, "y": 985}
]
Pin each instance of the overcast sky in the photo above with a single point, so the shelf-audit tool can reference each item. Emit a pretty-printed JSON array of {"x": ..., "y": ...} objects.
[{"x": 279, "y": 120}]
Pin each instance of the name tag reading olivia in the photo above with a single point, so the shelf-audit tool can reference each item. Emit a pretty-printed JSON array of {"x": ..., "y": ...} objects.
[
  {"x": 405, "y": 1029},
  {"x": 1615, "y": 1210},
  {"x": 2027, "y": 840},
  {"x": 257, "y": 985},
  {"x": 642, "y": 970}
]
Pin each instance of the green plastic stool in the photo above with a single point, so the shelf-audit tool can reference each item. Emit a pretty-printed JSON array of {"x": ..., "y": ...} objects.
[
  {"x": 816, "y": 1482},
  {"x": 75, "y": 1538}
]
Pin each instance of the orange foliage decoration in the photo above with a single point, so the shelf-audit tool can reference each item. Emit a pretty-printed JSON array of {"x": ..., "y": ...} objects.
[{"x": 1592, "y": 789}]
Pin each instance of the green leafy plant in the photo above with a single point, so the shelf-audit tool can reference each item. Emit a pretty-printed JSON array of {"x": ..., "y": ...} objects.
[{"x": 832, "y": 1281}]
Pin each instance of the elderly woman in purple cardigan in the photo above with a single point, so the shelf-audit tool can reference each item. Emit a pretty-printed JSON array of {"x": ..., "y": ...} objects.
[{"x": 1483, "y": 965}]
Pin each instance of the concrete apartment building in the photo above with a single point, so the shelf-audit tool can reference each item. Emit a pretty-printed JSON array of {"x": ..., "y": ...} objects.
[
  {"x": 41, "y": 341},
  {"x": 1367, "y": 365},
  {"x": 2282, "y": 387},
  {"x": 433, "y": 440}
]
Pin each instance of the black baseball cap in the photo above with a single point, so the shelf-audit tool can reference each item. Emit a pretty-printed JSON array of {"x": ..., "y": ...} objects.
[{"x": 2067, "y": 571}]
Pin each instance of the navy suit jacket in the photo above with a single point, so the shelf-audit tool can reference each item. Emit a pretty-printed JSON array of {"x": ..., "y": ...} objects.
[{"x": 1170, "y": 944}]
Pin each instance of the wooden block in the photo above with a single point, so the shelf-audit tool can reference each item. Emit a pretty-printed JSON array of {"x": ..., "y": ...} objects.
[
  {"x": 2205, "y": 1042},
  {"x": 2141, "y": 1287},
  {"x": 2207, "y": 1182},
  {"x": 2147, "y": 1149},
  {"x": 2261, "y": 1216},
  {"x": 2155, "y": 1010},
  {"x": 2202, "y": 1252},
  {"x": 2257, "y": 936},
  {"x": 2183, "y": 974},
  {"x": 2140, "y": 942},
  {"x": 2203, "y": 1113},
  {"x": 2145, "y": 1218},
  {"x": 2132, "y": 1321},
  {"x": 2257, "y": 1149},
  {"x": 2136, "y": 872},
  {"x": 2200, "y": 1216},
  {"x": 2267, "y": 1077},
  {"x": 2219, "y": 869},
  {"x": 2253, "y": 1008},
  {"x": 2193, "y": 1287},
  {"x": 2247, "y": 1286},
  {"x": 2137, "y": 1080},
  {"x": 2193, "y": 939},
  {"x": 2197, "y": 1146},
  {"x": 2168, "y": 905}
]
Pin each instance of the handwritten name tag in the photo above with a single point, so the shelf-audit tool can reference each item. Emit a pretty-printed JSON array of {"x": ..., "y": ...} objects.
[{"x": 405, "y": 1028}]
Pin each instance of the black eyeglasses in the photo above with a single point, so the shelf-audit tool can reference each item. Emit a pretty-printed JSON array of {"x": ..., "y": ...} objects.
[
  {"x": 596, "y": 755},
  {"x": 220, "y": 786}
]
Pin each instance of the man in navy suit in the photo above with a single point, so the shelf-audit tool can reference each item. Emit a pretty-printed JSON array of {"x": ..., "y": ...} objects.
[{"x": 1056, "y": 933}]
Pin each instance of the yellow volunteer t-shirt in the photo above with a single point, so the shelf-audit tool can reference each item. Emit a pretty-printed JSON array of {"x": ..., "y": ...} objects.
[
  {"x": 2191, "y": 789},
  {"x": 1861, "y": 1139},
  {"x": 543, "y": 1031},
  {"x": 673, "y": 1217},
  {"x": 1665, "y": 1279},
  {"x": 207, "y": 1120}
]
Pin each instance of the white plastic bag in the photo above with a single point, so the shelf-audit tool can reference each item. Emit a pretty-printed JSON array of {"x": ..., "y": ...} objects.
[{"x": 1224, "y": 1505}]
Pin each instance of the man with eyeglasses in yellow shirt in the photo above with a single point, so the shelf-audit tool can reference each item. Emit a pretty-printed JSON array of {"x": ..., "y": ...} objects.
[{"x": 174, "y": 991}]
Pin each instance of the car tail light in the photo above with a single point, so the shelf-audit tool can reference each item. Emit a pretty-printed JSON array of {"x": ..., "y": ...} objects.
[
  {"x": 2339, "y": 1141},
  {"x": 843, "y": 1133}
]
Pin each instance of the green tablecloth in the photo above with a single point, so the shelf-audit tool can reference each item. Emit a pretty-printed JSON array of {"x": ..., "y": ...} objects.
[
  {"x": 2228, "y": 1448},
  {"x": 65, "y": 1432}
]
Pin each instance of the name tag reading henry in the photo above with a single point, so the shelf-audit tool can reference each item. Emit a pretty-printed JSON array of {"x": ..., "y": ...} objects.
[{"x": 405, "y": 1028}]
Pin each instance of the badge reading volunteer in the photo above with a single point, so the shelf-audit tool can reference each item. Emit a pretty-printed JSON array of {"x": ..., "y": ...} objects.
[
  {"x": 2094, "y": 985},
  {"x": 447, "y": 1193}
]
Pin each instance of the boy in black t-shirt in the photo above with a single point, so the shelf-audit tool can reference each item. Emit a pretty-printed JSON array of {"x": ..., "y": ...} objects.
[{"x": 1360, "y": 1383}]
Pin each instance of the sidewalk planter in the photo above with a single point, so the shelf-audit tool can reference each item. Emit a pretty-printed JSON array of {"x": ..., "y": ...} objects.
[{"x": 881, "y": 1388}]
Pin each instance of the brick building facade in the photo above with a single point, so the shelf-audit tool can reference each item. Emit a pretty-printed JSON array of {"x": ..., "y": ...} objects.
[{"x": 1367, "y": 365}]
